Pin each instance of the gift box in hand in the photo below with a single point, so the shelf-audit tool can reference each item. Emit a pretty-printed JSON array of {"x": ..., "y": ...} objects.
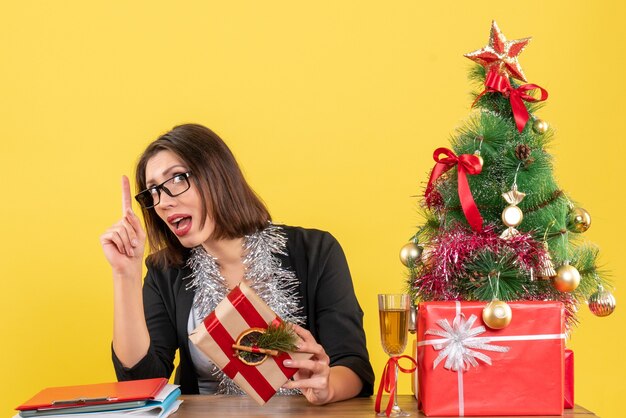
[{"x": 225, "y": 337}]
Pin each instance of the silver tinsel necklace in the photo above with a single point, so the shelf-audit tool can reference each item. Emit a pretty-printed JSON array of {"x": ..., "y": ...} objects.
[{"x": 263, "y": 273}]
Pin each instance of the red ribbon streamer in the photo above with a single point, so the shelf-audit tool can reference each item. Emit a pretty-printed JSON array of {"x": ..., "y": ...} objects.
[
  {"x": 223, "y": 339},
  {"x": 388, "y": 381},
  {"x": 496, "y": 82},
  {"x": 466, "y": 164}
]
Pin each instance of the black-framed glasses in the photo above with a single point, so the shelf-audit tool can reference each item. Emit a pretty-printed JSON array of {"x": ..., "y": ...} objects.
[{"x": 174, "y": 186}]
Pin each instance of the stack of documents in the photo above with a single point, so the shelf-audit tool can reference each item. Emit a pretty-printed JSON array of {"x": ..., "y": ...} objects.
[{"x": 136, "y": 398}]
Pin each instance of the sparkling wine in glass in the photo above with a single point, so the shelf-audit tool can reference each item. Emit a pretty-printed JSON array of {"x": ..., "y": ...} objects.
[{"x": 393, "y": 312}]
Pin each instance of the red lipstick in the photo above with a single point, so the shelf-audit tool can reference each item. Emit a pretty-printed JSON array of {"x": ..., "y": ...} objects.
[{"x": 180, "y": 223}]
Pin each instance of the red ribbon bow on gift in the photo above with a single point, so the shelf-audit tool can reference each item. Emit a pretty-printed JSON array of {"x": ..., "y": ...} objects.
[
  {"x": 496, "y": 82},
  {"x": 388, "y": 381},
  {"x": 466, "y": 164}
]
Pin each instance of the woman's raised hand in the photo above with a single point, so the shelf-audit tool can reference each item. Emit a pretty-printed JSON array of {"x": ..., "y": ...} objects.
[{"x": 123, "y": 243}]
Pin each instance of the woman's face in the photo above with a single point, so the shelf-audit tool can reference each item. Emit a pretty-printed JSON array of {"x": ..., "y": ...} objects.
[{"x": 183, "y": 213}]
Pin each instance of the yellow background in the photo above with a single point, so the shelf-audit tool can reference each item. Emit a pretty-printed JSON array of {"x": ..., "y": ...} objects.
[{"x": 333, "y": 109}]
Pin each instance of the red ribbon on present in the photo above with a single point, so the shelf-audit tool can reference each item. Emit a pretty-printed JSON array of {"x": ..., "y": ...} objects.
[
  {"x": 496, "y": 82},
  {"x": 466, "y": 164},
  {"x": 388, "y": 381},
  {"x": 221, "y": 336}
]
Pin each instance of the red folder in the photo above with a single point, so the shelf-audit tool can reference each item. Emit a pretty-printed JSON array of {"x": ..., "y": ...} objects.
[{"x": 97, "y": 394}]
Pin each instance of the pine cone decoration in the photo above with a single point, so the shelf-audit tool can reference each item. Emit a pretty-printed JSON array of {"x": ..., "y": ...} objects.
[{"x": 522, "y": 152}]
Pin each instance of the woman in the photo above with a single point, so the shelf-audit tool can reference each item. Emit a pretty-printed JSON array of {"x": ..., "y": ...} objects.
[{"x": 207, "y": 232}]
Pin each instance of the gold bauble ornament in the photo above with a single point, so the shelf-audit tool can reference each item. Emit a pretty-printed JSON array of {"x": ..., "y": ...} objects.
[
  {"x": 567, "y": 278},
  {"x": 480, "y": 158},
  {"x": 602, "y": 303},
  {"x": 410, "y": 253},
  {"x": 578, "y": 220},
  {"x": 540, "y": 126},
  {"x": 497, "y": 314}
]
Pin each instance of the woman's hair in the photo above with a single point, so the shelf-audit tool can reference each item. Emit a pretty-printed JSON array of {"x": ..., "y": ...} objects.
[{"x": 226, "y": 196}]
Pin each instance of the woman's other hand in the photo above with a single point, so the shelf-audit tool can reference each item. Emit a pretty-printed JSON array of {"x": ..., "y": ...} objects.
[
  {"x": 313, "y": 375},
  {"x": 319, "y": 382}
]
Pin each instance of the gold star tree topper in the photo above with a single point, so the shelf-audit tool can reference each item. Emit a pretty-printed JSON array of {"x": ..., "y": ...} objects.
[{"x": 501, "y": 54}]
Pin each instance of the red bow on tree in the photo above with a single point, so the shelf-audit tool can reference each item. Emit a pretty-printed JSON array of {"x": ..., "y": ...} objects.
[
  {"x": 466, "y": 164},
  {"x": 496, "y": 82}
]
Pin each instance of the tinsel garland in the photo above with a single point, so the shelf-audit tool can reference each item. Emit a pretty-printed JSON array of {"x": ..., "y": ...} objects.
[
  {"x": 263, "y": 273},
  {"x": 451, "y": 249},
  {"x": 449, "y": 253}
]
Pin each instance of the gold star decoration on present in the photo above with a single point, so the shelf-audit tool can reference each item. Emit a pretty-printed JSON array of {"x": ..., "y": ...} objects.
[{"x": 501, "y": 55}]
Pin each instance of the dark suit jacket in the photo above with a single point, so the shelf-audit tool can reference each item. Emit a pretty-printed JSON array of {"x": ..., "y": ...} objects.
[{"x": 326, "y": 294}]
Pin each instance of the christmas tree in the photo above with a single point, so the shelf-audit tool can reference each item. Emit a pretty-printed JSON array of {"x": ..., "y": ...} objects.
[{"x": 497, "y": 226}]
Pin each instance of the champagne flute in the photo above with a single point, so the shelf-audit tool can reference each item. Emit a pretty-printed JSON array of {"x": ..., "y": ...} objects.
[{"x": 393, "y": 312}]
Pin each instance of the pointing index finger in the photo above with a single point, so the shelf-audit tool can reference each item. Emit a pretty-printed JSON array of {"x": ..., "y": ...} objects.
[{"x": 126, "y": 199}]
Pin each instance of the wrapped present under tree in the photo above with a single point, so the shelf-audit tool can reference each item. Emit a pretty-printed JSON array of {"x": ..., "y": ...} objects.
[{"x": 468, "y": 369}]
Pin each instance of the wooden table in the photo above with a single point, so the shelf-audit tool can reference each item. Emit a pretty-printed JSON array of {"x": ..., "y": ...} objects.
[{"x": 296, "y": 406}]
